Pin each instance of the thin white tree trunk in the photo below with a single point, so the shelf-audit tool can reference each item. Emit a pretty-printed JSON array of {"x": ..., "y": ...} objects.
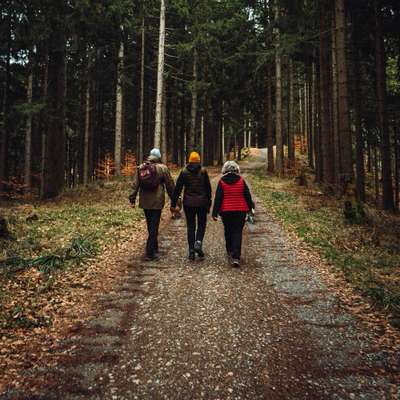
[
  {"x": 118, "y": 112},
  {"x": 250, "y": 133},
  {"x": 160, "y": 76},
  {"x": 278, "y": 76},
  {"x": 28, "y": 135},
  {"x": 141, "y": 111}
]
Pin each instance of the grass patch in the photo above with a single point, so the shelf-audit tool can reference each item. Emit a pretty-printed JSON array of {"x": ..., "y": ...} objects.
[
  {"x": 366, "y": 253},
  {"x": 52, "y": 242}
]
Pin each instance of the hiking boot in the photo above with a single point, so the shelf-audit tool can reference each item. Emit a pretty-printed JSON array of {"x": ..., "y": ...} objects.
[
  {"x": 192, "y": 255},
  {"x": 151, "y": 257},
  {"x": 235, "y": 263},
  {"x": 198, "y": 248}
]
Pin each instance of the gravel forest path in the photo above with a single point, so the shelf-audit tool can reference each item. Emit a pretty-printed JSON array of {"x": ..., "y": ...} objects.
[{"x": 175, "y": 329}]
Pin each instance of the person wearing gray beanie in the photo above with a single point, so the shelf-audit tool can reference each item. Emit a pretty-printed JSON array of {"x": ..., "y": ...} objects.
[
  {"x": 232, "y": 202},
  {"x": 155, "y": 153}
]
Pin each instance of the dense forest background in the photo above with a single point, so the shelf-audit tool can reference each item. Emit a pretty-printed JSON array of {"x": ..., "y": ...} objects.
[{"x": 87, "y": 88}]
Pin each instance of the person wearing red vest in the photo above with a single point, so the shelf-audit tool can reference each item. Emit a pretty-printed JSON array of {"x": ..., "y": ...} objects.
[{"x": 232, "y": 202}]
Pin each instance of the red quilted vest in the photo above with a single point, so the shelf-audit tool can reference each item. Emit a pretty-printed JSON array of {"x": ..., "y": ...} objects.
[{"x": 233, "y": 198}]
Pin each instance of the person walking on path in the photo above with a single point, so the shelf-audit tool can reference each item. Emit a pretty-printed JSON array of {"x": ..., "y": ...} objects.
[
  {"x": 151, "y": 180},
  {"x": 196, "y": 202},
  {"x": 232, "y": 202}
]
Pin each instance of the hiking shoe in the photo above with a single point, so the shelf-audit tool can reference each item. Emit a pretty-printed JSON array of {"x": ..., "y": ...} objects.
[
  {"x": 198, "y": 248},
  {"x": 235, "y": 263},
  {"x": 148, "y": 257},
  {"x": 192, "y": 255}
]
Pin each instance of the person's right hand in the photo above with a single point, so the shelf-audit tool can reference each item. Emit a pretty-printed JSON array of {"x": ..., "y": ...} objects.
[{"x": 215, "y": 218}]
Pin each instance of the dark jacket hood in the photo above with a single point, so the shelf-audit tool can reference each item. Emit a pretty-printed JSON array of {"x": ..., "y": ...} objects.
[
  {"x": 193, "y": 167},
  {"x": 230, "y": 178}
]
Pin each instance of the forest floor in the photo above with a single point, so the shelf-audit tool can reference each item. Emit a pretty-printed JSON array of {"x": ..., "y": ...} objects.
[{"x": 283, "y": 326}]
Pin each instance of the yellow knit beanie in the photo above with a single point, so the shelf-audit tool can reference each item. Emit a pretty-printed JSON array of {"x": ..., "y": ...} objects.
[{"x": 194, "y": 157}]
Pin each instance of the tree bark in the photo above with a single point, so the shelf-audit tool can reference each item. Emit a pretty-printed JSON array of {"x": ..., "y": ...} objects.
[
  {"x": 141, "y": 106},
  {"x": 5, "y": 109},
  {"x": 223, "y": 133},
  {"x": 397, "y": 167},
  {"x": 328, "y": 175},
  {"x": 335, "y": 112},
  {"x": 164, "y": 135},
  {"x": 270, "y": 129},
  {"x": 193, "y": 120},
  {"x": 160, "y": 77},
  {"x": 86, "y": 141},
  {"x": 343, "y": 108},
  {"x": 380, "y": 59},
  {"x": 118, "y": 110},
  {"x": 54, "y": 149},
  {"x": 291, "y": 149},
  {"x": 278, "y": 77},
  {"x": 360, "y": 170},
  {"x": 28, "y": 133}
]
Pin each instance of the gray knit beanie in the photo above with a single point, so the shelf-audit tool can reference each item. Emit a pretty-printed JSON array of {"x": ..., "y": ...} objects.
[{"x": 230, "y": 167}]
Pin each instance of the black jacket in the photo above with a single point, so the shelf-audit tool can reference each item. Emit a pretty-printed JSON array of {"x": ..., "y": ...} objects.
[
  {"x": 197, "y": 186},
  {"x": 219, "y": 194}
]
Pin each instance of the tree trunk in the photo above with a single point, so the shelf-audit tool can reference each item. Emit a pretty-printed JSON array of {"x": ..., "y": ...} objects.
[
  {"x": 343, "y": 109},
  {"x": 250, "y": 132},
  {"x": 160, "y": 77},
  {"x": 316, "y": 121},
  {"x": 360, "y": 171},
  {"x": 278, "y": 77},
  {"x": 118, "y": 110},
  {"x": 328, "y": 174},
  {"x": 5, "y": 110},
  {"x": 380, "y": 58},
  {"x": 376, "y": 175},
  {"x": 192, "y": 135},
  {"x": 202, "y": 138},
  {"x": 244, "y": 128},
  {"x": 164, "y": 135},
  {"x": 28, "y": 133},
  {"x": 335, "y": 112},
  {"x": 291, "y": 149},
  {"x": 270, "y": 129},
  {"x": 397, "y": 167},
  {"x": 86, "y": 141},
  {"x": 141, "y": 107},
  {"x": 44, "y": 120},
  {"x": 301, "y": 119},
  {"x": 54, "y": 150}
]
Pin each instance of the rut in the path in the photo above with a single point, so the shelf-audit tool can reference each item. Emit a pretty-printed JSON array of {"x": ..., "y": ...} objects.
[{"x": 181, "y": 330}]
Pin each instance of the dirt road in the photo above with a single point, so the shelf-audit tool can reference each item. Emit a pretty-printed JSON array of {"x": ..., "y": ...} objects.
[{"x": 273, "y": 329}]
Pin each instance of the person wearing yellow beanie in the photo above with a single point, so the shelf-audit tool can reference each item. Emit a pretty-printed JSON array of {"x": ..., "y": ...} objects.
[
  {"x": 194, "y": 158},
  {"x": 196, "y": 202}
]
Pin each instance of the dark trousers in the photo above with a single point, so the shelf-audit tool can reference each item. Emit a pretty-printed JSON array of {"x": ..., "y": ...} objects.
[
  {"x": 153, "y": 222},
  {"x": 233, "y": 227},
  {"x": 193, "y": 234}
]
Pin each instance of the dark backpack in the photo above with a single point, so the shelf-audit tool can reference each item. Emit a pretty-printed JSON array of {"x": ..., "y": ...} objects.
[{"x": 149, "y": 178}]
